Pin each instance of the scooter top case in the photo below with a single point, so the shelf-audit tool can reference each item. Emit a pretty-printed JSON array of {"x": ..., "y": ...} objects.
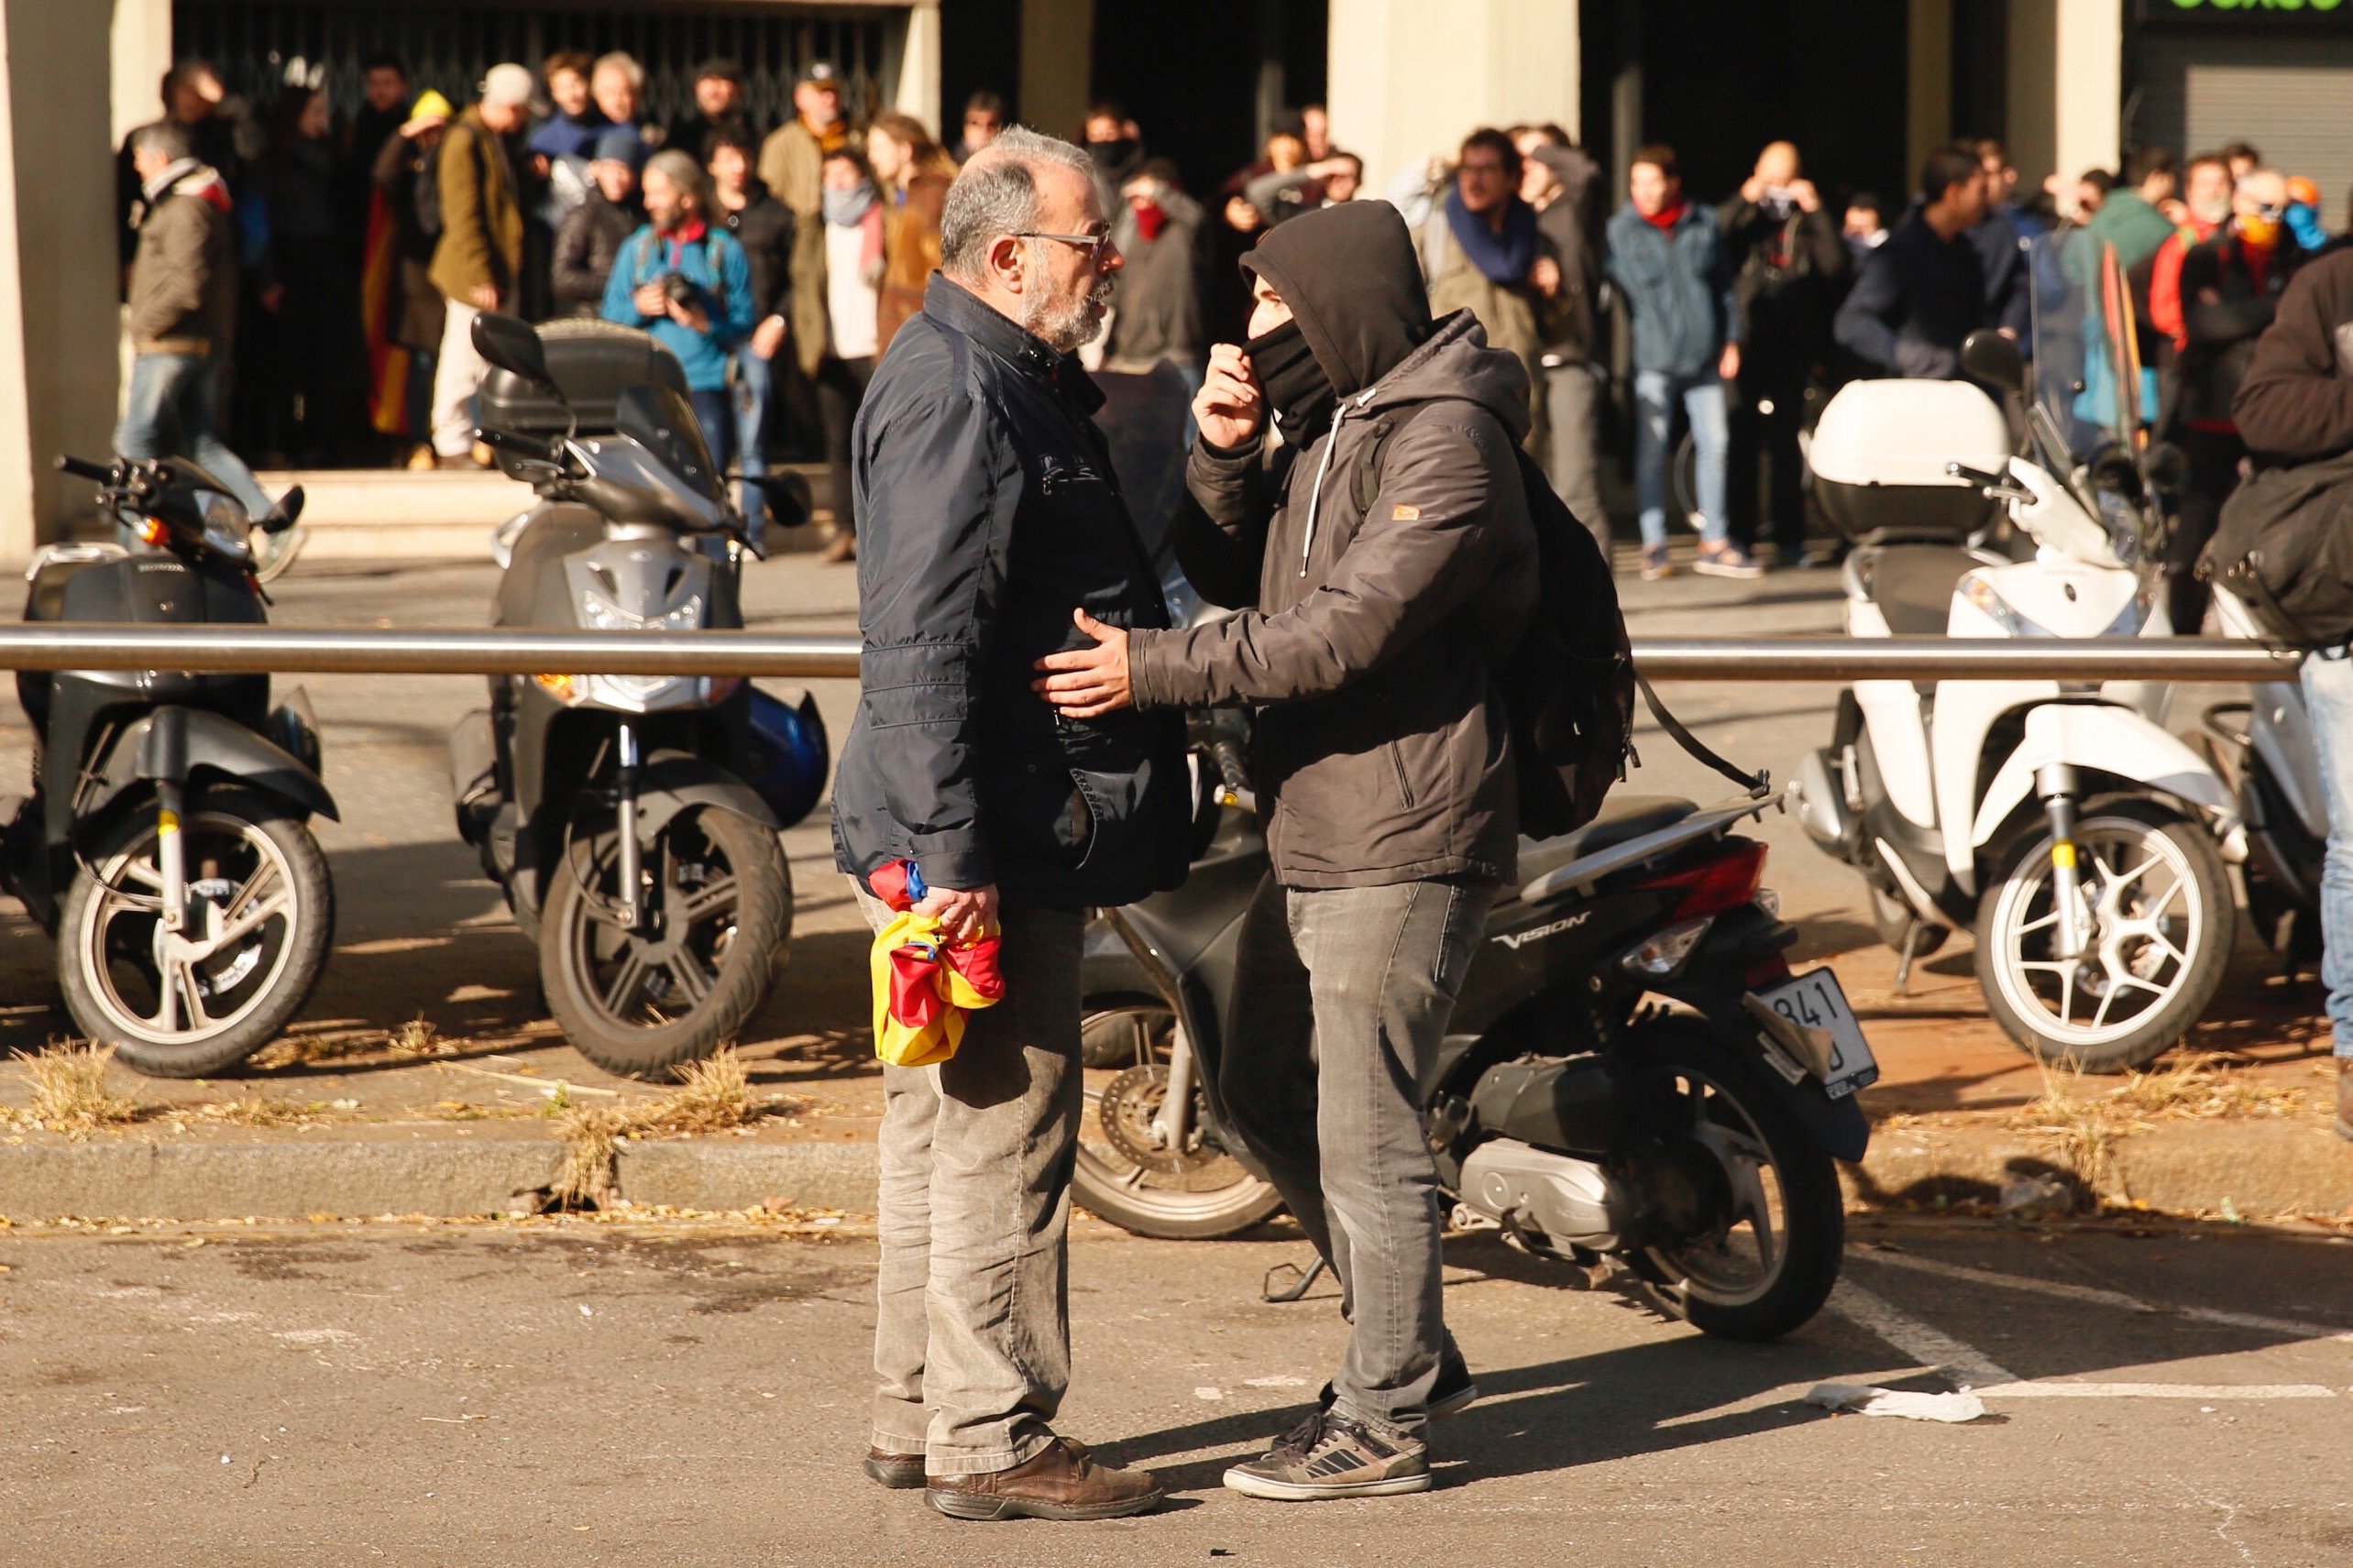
[{"x": 1879, "y": 453}]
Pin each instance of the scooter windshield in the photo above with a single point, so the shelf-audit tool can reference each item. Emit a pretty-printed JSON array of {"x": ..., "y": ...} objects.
[
  {"x": 2088, "y": 377},
  {"x": 661, "y": 420}
]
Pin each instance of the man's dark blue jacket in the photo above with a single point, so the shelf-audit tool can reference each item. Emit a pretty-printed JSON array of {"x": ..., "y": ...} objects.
[{"x": 987, "y": 512}]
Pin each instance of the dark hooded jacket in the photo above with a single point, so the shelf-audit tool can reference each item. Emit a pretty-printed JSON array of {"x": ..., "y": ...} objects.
[{"x": 1368, "y": 628}]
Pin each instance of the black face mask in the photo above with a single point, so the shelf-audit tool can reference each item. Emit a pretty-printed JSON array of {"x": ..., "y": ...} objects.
[
  {"x": 1112, "y": 156},
  {"x": 1295, "y": 385}
]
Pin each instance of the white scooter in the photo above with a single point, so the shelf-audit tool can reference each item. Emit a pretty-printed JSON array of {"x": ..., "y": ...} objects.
[{"x": 2081, "y": 841}]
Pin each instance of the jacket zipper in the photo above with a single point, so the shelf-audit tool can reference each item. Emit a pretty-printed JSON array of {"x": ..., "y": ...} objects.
[{"x": 1315, "y": 494}]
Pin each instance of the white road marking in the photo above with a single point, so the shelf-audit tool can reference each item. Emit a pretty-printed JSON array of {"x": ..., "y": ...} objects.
[
  {"x": 2059, "y": 1388},
  {"x": 1931, "y": 1346},
  {"x": 2094, "y": 1296}
]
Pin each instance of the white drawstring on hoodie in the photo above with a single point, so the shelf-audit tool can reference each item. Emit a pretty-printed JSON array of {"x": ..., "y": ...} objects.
[{"x": 1323, "y": 467}]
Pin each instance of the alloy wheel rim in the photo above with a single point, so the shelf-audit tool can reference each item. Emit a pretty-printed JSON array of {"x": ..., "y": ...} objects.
[
  {"x": 1741, "y": 1262},
  {"x": 2149, "y": 919},
  {"x": 248, "y": 927},
  {"x": 648, "y": 983}
]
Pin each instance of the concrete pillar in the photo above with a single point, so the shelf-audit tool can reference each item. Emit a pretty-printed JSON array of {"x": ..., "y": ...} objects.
[
  {"x": 1056, "y": 64},
  {"x": 1928, "y": 85},
  {"x": 919, "y": 66},
  {"x": 2065, "y": 86},
  {"x": 1410, "y": 77},
  {"x": 57, "y": 262},
  {"x": 142, "y": 45}
]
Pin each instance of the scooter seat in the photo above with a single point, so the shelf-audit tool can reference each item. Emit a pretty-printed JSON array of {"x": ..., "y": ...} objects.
[
  {"x": 1622, "y": 817},
  {"x": 1912, "y": 584}
]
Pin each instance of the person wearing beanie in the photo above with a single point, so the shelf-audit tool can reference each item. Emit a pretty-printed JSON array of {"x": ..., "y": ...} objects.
[{"x": 1367, "y": 620}]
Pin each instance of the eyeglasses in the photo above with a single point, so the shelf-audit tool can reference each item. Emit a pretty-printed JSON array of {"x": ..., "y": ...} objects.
[{"x": 1091, "y": 243}]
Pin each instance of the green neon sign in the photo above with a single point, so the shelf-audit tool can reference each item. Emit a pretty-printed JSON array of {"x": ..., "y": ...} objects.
[{"x": 2257, "y": 5}]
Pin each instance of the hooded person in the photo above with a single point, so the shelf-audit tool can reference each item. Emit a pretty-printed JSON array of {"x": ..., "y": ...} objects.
[{"x": 1381, "y": 562}]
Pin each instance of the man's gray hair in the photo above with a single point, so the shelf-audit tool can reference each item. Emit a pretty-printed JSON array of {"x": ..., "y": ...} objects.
[
  {"x": 997, "y": 194},
  {"x": 169, "y": 138}
]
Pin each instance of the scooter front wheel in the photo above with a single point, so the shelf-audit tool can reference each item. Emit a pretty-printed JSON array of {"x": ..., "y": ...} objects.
[
  {"x": 2161, "y": 931},
  {"x": 253, "y": 938},
  {"x": 716, "y": 908}
]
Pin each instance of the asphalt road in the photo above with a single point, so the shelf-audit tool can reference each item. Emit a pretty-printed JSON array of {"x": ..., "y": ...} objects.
[
  {"x": 587, "y": 1394},
  {"x": 420, "y": 930}
]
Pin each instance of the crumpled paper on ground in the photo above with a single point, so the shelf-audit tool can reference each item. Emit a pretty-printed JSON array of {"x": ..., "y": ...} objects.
[{"x": 1865, "y": 1399}]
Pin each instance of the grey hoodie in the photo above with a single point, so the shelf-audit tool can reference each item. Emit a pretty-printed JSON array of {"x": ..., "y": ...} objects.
[{"x": 1382, "y": 753}]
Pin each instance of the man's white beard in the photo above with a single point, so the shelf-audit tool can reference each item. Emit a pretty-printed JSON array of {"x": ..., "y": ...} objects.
[{"x": 1065, "y": 327}]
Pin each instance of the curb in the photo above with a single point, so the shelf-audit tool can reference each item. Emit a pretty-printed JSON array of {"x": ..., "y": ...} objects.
[
  {"x": 443, "y": 1178},
  {"x": 2255, "y": 1169}
]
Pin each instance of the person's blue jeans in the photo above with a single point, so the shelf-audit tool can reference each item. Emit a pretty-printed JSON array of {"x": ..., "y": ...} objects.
[
  {"x": 2329, "y": 698},
  {"x": 173, "y": 411},
  {"x": 1656, "y": 394},
  {"x": 715, "y": 411},
  {"x": 755, "y": 385}
]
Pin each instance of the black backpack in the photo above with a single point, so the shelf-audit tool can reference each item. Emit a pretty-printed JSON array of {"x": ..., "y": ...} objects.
[
  {"x": 1569, "y": 686},
  {"x": 2284, "y": 547}
]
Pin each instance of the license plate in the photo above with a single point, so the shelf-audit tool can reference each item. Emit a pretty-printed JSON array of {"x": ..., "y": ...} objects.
[{"x": 1814, "y": 1002}]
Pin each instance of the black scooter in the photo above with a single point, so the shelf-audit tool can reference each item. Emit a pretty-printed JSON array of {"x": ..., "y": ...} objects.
[
  {"x": 165, "y": 846},
  {"x": 1633, "y": 1073}
]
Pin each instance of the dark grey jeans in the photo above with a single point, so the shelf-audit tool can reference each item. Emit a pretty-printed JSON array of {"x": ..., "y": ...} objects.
[
  {"x": 1572, "y": 446},
  {"x": 973, "y": 1321},
  {"x": 1340, "y": 1002}
]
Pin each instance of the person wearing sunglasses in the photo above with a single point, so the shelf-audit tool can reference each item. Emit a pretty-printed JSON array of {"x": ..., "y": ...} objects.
[{"x": 2231, "y": 284}]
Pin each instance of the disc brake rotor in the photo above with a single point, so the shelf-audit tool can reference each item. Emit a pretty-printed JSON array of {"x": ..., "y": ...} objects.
[{"x": 1126, "y": 1111}]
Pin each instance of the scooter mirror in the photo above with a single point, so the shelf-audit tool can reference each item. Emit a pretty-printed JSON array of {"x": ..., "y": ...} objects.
[
  {"x": 510, "y": 344},
  {"x": 1994, "y": 359},
  {"x": 789, "y": 502},
  {"x": 2168, "y": 466}
]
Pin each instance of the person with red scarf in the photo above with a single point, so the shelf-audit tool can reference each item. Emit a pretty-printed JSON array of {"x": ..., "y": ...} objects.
[
  {"x": 1156, "y": 310},
  {"x": 2231, "y": 284}
]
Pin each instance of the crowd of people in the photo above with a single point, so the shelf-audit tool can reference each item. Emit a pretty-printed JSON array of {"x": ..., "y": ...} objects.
[{"x": 779, "y": 262}]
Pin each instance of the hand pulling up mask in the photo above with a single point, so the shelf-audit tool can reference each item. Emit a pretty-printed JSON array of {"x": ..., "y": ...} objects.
[{"x": 1296, "y": 388}]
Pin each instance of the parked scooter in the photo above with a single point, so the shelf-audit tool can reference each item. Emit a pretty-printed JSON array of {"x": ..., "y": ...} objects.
[
  {"x": 2083, "y": 842},
  {"x": 632, "y": 820},
  {"x": 1693, "y": 1148},
  {"x": 166, "y": 845}
]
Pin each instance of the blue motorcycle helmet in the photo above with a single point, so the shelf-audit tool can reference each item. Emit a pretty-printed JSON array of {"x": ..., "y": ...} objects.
[{"x": 789, "y": 755}]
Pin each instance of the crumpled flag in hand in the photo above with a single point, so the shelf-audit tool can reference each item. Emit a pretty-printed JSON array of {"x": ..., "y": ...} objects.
[{"x": 925, "y": 986}]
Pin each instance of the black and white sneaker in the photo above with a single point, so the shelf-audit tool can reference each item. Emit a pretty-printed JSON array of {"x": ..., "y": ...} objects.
[
  {"x": 1455, "y": 1391},
  {"x": 1331, "y": 1457}
]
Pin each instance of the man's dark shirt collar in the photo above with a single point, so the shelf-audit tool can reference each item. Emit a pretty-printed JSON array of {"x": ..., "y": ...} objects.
[{"x": 953, "y": 305}]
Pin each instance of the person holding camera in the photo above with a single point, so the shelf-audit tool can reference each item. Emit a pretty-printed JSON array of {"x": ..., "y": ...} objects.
[{"x": 688, "y": 282}]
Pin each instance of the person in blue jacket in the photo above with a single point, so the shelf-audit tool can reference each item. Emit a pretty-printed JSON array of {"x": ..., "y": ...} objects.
[{"x": 686, "y": 281}]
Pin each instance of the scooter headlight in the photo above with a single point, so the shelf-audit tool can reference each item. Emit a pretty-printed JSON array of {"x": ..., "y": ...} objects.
[
  {"x": 1664, "y": 953},
  {"x": 1988, "y": 601}
]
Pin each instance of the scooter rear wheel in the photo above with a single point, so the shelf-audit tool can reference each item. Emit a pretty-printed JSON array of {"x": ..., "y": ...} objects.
[
  {"x": 639, "y": 1004},
  {"x": 256, "y": 878}
]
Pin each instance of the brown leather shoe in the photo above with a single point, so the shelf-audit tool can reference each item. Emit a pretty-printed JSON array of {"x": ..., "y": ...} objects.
[
  {"x": 899, "y": 1472},
  {"x": 1059, "y": 1482},
  {"x": 2345, "y": 1096}
]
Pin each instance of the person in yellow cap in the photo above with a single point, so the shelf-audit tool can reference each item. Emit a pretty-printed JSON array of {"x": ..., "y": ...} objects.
[{"x": 408, "y": 198}]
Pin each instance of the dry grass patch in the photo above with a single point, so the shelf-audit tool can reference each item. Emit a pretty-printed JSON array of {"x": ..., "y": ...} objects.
[
  {"x": 70, "y": 1093},
  {"x": 2086, "y": 1128},
  {"x": 713, "y": 1095},
  {"x": 268, "y": 1111}
]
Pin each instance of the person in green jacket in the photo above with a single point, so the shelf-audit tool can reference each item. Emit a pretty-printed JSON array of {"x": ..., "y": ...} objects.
[{"x": 2132, "y": 219}]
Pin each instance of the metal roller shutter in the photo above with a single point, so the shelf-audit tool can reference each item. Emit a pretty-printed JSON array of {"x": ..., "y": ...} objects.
[{"x": 2292, "y": 98}]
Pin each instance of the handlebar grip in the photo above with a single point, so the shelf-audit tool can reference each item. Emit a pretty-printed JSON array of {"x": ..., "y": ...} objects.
[
  {"x": 82, "y": 468},
  {"x": 1976, "y": 477}
]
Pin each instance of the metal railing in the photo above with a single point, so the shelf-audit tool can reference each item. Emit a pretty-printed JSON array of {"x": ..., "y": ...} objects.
[{"x": 293, "y": 650}]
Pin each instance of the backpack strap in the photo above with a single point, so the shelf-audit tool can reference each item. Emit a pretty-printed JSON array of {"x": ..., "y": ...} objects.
[{"x": 1758, "y": 783}]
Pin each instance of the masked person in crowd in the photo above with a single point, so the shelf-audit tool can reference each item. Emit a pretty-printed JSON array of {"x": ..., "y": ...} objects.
[
  {"x": 1364, "y": 637},
  {"x": 686, "y": 280},
  {"x": 990, "y": 523},
  {"x": 853, "y": 279},
  {"x": 1790, "y": 268},
  {"x": 593, "y": 233},
  {"x": 1864, "y": 226},
  {"x": 1668, "y": 257},
  {"x": 1155, "y": 311},
  {"x": 1116, "y": 144},
  {"x": 2231, "y": 284},
  {"x": 984, "y": 122}
]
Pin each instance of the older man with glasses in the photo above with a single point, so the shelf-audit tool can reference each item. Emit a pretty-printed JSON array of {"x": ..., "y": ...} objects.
[{"x": 990, "y": 527}]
